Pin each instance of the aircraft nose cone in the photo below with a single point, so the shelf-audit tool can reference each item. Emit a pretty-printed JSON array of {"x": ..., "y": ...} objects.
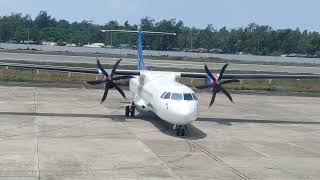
[{"x": 184, "y": 113}]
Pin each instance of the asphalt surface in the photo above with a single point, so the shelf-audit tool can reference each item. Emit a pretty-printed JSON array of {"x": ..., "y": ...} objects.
[
  {"x": 124, "y": 52},
  {"x": 64, "y": 133},
  {"x": 183, "y": 65}
]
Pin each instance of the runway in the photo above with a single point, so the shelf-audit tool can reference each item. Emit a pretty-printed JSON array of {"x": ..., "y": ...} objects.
[
  {"x": 64, "y": 133},
  {"x": 183, "y": 65}
]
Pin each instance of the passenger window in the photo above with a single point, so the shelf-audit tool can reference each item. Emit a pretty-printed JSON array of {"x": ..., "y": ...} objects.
[
  {"x": 176, "y": 96},
  {"x": 187, "y": 97},
  {"x": 194, "y": 96},
  {"x": 167, "y": 96},
  {"x": 163, "y": 95}
]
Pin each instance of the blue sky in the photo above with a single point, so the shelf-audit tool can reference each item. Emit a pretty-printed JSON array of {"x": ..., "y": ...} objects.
[{"x": 231, "y": 13}]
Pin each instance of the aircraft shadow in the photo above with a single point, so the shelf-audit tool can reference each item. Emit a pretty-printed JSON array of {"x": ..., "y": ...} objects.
[
  {"x": 229, "y": 121},
  {"x": 192, "y": 133},
  {"x": 55, "y": 114}
]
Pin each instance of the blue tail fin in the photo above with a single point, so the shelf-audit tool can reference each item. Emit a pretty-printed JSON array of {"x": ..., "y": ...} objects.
[
  {"x": 141, "y": 65},
  {"x": 208, "y": 82}
]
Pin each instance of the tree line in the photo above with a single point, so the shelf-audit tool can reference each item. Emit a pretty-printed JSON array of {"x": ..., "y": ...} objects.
[{"x": 253, "y": 39}]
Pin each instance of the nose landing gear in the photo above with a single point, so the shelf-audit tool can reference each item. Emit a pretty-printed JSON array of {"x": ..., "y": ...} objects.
[
  {"x": 180, "y": 129},
  {"x": 130, "y": 110}
]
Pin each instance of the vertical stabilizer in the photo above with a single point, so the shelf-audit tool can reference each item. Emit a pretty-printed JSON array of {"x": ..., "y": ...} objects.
[{"x": 141, "y": 65}]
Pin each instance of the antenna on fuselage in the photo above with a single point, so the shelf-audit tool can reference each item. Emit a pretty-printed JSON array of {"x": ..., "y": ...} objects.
[{"x": 141, "y": 65}]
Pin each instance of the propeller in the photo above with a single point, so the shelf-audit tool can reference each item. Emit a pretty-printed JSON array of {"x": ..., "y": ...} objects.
[
  {"x": 216, "y": 85},
  {"x": 109, "y": 80}
]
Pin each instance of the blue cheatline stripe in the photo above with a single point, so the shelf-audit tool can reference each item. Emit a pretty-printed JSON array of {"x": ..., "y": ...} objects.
[{"x": 141, "y": 65}]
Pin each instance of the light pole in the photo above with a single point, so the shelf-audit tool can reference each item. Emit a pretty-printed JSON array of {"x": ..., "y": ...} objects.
[
  {"x": 191, "y": 40},
  {"x": 28, "y": 30},
  {"x": 28, "y": 33},
  {"x": 111, "y": 38}
]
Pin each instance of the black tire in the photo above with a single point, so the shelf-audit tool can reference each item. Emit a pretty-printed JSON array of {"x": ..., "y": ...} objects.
[
  {"x": 182, "y": 132},
  {"x": 177, "y": 132},
  {"x": 127, "y": 111},
  {"x": 133, "y": 111}
]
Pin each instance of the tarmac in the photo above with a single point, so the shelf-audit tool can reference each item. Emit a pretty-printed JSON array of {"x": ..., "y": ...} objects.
[{"x": 65, "y": 133}]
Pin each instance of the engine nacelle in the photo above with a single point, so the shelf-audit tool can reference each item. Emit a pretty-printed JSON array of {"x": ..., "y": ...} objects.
[{"x": 141, "y": 105}]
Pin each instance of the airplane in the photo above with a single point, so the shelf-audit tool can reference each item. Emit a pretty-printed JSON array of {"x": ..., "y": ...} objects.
[{"x": 158, "y": 91}]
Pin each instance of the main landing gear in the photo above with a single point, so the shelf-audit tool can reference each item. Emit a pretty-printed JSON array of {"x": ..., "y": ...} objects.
[
  {"x": 130, "y": 110},
  {"x": 180, "y": 129}
]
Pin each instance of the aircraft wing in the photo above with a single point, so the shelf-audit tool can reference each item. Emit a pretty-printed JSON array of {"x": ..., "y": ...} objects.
[
  {"x": 215, "y": 82},
  {"x": 137, "y": 72},
  {"x": 253, "y": 76},
  {"x": 68, "y": 69}
]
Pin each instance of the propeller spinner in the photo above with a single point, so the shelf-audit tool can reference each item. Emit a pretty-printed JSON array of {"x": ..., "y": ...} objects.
[
  {"x": 216, "y": 85},
  {"x": 109, "y": 80}
]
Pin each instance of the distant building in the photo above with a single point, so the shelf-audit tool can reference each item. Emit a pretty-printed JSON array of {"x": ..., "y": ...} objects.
[
  {"x": 202, "y": 50},
  {"x": 216, "y": 51},
  {"x": 124, "y": 46},
  {"x": 49, "y": 43},
  {"x": 95, "y": 45},
  {"x": 71, "y": 45},
  {"x": 27, "y": 42}
]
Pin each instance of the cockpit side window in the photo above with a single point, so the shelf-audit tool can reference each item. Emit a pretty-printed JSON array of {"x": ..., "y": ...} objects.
[
  {"x": 167, "y": 96},
  {"x": 163, "y": 95},
  {"x": 194, "y": 96},
  {"x": 176, "y": 96},
  {"x": 187, "y": 97}
]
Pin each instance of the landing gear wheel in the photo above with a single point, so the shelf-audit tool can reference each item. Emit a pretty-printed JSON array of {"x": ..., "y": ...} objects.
[
  {"x": 132, "y": 110},
  {"x": 127, "y": 111},
  {"x": 177, "y": 132},
  {"x": 181, "y": 131}
]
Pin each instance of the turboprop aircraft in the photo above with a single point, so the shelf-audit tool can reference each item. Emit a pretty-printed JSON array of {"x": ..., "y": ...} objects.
[{"x": 158, "y": 91}]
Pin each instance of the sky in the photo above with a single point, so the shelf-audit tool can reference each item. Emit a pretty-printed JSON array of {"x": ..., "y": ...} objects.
[{"x": 279, "y": 14}]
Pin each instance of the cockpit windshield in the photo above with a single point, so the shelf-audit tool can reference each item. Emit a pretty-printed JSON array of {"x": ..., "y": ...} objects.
[
  {"x": 176, "y": 96},
  {"x": 179, "y": 96},
  {"x": 188, "y": 97},
  {"x": 167, "y": 96}
]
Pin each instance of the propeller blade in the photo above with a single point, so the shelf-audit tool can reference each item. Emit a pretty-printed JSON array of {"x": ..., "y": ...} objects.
[
  {"x": 115, "y": 66},
  {"x": 102, "y": 69},
  {"x": 214, "y": 94},
  {"x": 96, "y": 82},
  {"x": 120, "y": 90},
  {"x": 227, "y": 94},
  {"x": 122, "y": 77},
  {"x": 230, "y": 81},
  {"x": 222, "y": 71},
  {"x": 105, "y": 94},
  {"x": 209, "y": 73}
]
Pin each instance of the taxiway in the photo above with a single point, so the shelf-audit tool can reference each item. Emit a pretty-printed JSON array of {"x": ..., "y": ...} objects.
[{"x": 64, "y": 133}]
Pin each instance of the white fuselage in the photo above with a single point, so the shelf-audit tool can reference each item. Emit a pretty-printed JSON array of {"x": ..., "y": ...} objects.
[{"x": 160, "y": 93}]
